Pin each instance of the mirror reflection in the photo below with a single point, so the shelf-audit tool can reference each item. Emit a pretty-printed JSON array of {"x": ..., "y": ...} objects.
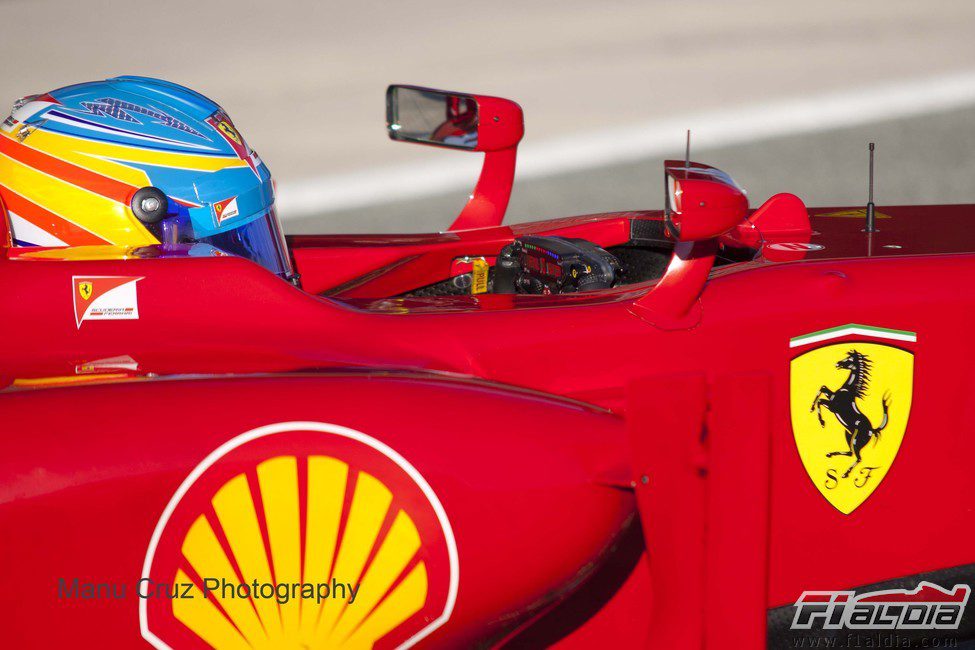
[{"x": 432, "y": 117}]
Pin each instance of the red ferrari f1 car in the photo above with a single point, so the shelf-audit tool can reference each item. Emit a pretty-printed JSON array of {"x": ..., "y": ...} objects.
[{"x": 702, "y": 426}]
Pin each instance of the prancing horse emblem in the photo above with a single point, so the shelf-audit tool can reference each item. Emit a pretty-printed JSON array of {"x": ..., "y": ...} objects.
[
  {"x": 843, "y": 404},
  {"x": 867, "y": 384},
  {"x": 84, "y": 289}
]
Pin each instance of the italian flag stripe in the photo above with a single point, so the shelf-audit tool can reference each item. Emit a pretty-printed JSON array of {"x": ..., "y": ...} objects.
[{"x": 850, "y": 330}]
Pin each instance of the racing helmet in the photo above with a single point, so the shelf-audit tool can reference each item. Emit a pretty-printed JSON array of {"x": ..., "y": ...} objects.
[{"x": 132, "y": 162}]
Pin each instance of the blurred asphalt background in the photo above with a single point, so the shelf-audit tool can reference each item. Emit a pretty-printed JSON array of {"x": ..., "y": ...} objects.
[{"x": 304, "y": 80}]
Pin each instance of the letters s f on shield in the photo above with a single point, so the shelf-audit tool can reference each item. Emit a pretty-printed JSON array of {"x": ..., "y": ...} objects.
[{"x": 850, "y": 391}]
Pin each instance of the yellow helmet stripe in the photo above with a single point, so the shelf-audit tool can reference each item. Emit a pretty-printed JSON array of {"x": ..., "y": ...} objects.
[
  {"x": 108, "y": 158},
  {"x": 112, "y": 220}
]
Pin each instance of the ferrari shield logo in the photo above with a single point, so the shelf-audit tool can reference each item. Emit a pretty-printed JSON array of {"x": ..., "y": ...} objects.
[
  {"x": 84, "y": 290},
  {"x": 850, "y": 403},
  {"x": 228, "y": 130}
]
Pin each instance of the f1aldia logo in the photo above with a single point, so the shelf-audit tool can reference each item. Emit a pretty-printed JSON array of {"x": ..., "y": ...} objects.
[{"x": 928, "y": 607}]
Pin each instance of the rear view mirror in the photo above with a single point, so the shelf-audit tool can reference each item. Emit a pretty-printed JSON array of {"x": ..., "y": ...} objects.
[
  {"x": 456, "y": 120},
  {"x": 432, "y": 117},
  {"x": 493, "y": 125},
  {"x": 702, "y": 202}
]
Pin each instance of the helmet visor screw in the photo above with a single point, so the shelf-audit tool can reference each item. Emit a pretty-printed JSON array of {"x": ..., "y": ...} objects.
[{"x": 150, "y": 204}]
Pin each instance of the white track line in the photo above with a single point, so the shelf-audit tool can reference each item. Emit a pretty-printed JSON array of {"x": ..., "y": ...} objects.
[{"x": 634, "y": 142}]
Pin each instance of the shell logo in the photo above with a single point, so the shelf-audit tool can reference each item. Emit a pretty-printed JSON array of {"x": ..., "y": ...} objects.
[{"x": 299, "y": 535}]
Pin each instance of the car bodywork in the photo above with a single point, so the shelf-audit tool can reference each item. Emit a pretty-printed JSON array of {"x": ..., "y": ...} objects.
[{"x": 625, "y": 466}]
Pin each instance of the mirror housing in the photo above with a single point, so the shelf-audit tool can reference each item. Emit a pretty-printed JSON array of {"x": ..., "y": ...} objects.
[
  {"x": 441, "y": 118},
  {"x": 450, "y": 119},
  {"x": 703, "y": 202}
]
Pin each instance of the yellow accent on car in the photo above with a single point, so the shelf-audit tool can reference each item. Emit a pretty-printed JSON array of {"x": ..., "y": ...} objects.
[
  {"x": 479, "y": 271},
  {"x": 848, "y": 457},
  {"x": 361, "y": 555}
]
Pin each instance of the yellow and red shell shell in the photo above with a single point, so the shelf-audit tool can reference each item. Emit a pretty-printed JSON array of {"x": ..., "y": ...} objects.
[{"x": 300, "y": 503}]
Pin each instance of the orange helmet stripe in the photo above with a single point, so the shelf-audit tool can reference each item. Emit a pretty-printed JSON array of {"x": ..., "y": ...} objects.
[
  {"x": 83, "y": 178},
  {"x": 50, "y": 222}
]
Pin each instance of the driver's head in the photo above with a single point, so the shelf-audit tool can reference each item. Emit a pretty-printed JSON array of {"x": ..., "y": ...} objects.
[{"x": 133, "y": 161}]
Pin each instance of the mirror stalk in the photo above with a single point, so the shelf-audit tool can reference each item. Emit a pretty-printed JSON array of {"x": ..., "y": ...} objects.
[
  {"x": 702, "y": 204},
  {"x": 440, "y": 118},
  {"x": 489, "y": 200},
  {"x": 673, "y": 302}
]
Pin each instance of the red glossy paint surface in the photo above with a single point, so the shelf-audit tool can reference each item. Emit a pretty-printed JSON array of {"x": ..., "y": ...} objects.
[
  {"x": 489, "y": 200},
  {"x": 84, "y": 499},
  {"x": 501, "y": 125},
  {"x": 534, "y": 487}
]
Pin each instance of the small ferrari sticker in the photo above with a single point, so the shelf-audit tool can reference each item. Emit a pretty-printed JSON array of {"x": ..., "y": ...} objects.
[
  {"x": 850, "y": 403},
  {"x": 226, "y": 129},
  {"x": 226, "y": 209},
  {"x": 108, "y": 364},
  {"x": 229, "y": 131},
  {"x": 105, "y": 298}
]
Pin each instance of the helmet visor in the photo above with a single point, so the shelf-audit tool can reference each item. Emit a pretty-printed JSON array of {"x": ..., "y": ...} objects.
[{"x": 260, "y": 240}]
